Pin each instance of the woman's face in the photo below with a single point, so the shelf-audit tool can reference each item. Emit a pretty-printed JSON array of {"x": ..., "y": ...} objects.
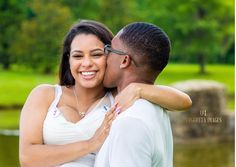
[{"x": 87, "y": 60}]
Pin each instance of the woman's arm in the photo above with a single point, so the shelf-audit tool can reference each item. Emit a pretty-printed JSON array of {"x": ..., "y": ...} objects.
[
  {"x": 165, "y": 96},
  {"x": 32, "y": 150}
]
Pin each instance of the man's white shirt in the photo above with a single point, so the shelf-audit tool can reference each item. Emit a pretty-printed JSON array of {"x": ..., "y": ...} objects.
[{"x": 139, "y": 137}]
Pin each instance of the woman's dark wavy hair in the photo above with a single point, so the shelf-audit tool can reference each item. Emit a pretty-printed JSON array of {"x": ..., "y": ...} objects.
[{"x": 83, "y": 27}]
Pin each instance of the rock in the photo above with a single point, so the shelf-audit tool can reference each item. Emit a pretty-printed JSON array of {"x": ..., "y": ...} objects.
[{"x": 207, "y": 117}]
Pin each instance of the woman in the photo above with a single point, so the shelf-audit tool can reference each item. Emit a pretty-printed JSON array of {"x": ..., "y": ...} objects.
[{"x": 64, "y": 125}]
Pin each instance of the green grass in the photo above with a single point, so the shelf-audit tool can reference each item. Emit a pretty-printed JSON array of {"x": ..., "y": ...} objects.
[
  {"x": 221, "y": 73},
  {"x": 15, "y": 86},
  {"x": 9, "y": 119},
  {"x": 178, "y": 72}
]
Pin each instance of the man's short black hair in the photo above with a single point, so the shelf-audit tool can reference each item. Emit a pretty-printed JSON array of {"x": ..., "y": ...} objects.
[{"x": 148, "y": 43}]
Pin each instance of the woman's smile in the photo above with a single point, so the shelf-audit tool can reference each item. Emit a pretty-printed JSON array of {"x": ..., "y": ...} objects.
[{"x": 88, "y": 75}]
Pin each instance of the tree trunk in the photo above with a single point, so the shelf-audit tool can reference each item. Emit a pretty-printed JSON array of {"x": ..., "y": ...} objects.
[
  {"x": 201, "y": 62},
  {"x": 4, "y": 56},
  {"x": 47, "y": 70},
  {"x": 6, "y": 65}
]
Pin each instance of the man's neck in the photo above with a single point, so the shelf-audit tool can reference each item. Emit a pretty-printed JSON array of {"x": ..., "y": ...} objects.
[{"x": 125, "y": 81}]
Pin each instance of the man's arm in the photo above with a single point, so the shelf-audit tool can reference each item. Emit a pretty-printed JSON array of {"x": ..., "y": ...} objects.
[{"x": 130, "y": 144}]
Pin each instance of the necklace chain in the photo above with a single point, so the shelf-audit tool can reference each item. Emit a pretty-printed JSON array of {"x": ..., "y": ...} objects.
[{"x": 81, "y": 114}]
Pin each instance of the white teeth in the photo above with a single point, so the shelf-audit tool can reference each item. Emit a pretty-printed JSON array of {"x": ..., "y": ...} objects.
[{"x": 87, "y": 73}]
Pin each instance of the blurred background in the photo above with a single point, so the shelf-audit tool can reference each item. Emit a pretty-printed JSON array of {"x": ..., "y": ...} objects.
[{"x": 201, "y": 64}]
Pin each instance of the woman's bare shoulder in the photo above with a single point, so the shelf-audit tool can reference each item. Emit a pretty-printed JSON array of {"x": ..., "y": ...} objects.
[
  {"x": 38, "y": 102},
  {"x": 43, "y": 89},
  {"x": 42, "y": 92}
]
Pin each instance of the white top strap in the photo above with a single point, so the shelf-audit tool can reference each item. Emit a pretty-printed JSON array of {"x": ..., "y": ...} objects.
[
  {"x": 58, "y": 93},
  {"x": 111, "y": 98}
]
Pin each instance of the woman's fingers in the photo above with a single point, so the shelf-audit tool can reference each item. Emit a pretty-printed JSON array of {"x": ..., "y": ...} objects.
[
  {"x": 103, "y": 131},
  {"x": 110, "y": 113},
  {"x": 110, "y": 116}
]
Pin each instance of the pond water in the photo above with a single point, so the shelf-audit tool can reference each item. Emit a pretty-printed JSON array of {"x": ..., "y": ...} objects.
[
  {"x": 207, "y": 154},
  {"x": 185, "y": 155},
  {"x": 9, "y": 151}
]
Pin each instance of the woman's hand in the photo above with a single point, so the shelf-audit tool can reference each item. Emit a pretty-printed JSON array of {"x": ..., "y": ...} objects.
[
  {"x": 127, "y": 96},
  {"x": 102, "y": 132}
]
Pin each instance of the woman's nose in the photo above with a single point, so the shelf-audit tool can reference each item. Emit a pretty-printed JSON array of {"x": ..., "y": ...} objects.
[{"x": 87, "y": 62}]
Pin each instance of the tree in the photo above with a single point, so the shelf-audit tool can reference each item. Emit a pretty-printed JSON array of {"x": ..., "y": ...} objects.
[
  {"x": 38, "y": 42},
  {"x": 11, "y": 15},
  {"x": 113, "y": 13},
  {"x": 83, "y": 9},
  {"x": 199, "y": 28},
  {"x": 116, "y": 13}
]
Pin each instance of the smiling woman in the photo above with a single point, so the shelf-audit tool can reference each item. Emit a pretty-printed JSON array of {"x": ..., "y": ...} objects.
[{"x": 66, "y": 118}]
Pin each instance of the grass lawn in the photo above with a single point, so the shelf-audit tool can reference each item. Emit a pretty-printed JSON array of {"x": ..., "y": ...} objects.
[
  {"x": 221, "y": 73},
  {"x": 178, "y": 72},
  {"x": 9, "y": 119},
  {"x": 15, "y": 86}
]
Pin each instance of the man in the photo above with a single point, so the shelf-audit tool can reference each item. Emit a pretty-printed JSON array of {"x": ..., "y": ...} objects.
[{"x": 141, "y": 136}]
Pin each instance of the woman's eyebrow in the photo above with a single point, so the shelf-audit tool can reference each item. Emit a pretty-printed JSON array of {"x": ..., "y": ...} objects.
[
  {"x": 79, "y": 51},
  {"x": 75, "y": 51},
  {"x": 97, "y": 49}
]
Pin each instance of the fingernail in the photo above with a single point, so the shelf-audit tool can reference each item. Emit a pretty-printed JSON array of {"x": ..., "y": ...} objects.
[{"x": 118, "y": 110}]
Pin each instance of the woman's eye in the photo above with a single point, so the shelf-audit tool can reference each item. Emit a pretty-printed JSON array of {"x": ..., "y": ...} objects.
[
  {"x": 96, "y": 55},
  {"x": 77, "y": 56}
]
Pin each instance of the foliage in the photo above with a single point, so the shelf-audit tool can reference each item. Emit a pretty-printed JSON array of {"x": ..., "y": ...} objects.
[
  {"x": 116, "y": 13},
  {"x": 12, "y": 12},
  {"x": 83, "y": 9},
  {"x": 113, "y": 13},
  {"x": 40, "y": 36},
  {"x": 200, "y": 29}
]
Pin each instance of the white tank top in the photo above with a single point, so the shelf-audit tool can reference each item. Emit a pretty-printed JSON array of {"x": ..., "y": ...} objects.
[{"x": 58, "y": 131}]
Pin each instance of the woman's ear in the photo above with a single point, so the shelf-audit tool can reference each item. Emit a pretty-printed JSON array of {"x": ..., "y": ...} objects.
[{"x": 126, "y": 61}]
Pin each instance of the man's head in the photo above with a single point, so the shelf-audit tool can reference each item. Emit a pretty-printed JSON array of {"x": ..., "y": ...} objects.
[{"x": 138, "y": 53}]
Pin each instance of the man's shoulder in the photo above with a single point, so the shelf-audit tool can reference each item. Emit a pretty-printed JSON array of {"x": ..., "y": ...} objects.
[
  {"x": 142, "y": 110},
  {"x": 141, "y": 104}
]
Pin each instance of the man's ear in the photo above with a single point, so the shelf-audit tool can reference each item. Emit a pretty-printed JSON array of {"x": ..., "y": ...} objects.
[{"x": 126, "y": 61}]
